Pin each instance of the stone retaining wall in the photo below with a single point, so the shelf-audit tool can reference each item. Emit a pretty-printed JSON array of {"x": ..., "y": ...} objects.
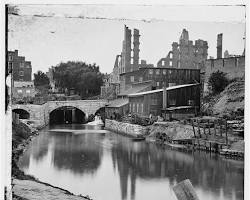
[{"x": 126, "y": 128}]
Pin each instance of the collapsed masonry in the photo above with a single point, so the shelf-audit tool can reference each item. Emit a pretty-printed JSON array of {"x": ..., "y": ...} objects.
[{"x": 185, "y": 54}]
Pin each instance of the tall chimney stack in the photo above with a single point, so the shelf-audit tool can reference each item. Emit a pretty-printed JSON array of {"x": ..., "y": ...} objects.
[
  {"x": 219, "y": 45},
  {"x": 136, "y": 49}
]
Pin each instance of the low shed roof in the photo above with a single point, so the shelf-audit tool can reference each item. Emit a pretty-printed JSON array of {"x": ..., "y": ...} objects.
[
  {"x": 135, "y": 89},
  {"x": 118, "y": 103}
]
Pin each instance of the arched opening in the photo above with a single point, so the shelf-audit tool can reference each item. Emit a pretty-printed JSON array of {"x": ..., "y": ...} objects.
[
  {"x": 67, "y": 115},
  {"x": 23, "y": 114},
  {"x": 101, "y": 112}
]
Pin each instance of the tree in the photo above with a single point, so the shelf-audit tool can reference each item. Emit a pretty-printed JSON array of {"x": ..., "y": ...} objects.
[
  {"x": 217, "y": 82},
  {"x": 41, "y": 79},
  {"x": 85, "y": 79}
]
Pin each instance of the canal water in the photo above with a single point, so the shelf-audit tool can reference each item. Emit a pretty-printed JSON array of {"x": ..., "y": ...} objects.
[{"x": 107, "y": 166}]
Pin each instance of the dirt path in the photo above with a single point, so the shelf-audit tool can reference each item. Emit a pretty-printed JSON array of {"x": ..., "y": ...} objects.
[{"x": 33, "y": 190}]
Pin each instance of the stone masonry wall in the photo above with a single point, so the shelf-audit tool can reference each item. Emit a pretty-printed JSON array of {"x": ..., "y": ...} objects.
[
  {"x": 40, "y": 113},
  {"x": 126, "y": 128},
  {"x": 234, "y": 67}
]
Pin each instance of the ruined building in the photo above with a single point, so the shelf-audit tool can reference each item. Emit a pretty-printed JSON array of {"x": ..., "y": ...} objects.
[
  {"x": 185, "y": 61},
  {"x": 129, "y": 57},
  {"x": 232, "y": 65},
  {"x": 185, "y": 54},
  {"x": 127, "y": 61}
]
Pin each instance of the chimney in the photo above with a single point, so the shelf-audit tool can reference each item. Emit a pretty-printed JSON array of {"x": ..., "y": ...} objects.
[
  {"x": 127, "y": 48},
  {"x": 219, "y": 45},
  {"x": 136, "y": 49}
]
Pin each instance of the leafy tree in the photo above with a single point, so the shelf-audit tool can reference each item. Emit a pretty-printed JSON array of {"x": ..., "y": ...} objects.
[
  {"x": 41, "y": 79},
  {"x": 217, "y": 82},
  {"x": 85, "y": 79}
]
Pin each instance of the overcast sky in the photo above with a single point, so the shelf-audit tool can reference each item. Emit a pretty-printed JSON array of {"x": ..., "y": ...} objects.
[{"x": 47, "y": 41}]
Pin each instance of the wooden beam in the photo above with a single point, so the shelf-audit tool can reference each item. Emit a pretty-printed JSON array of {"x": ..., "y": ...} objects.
[{"x": 185, "y": 191}]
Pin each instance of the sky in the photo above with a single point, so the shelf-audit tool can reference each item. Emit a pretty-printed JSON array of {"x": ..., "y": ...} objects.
[{"x": 49, "y": 34}]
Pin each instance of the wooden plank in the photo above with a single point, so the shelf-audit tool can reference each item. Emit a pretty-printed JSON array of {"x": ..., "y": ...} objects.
[{"x": 185, "y": 191}]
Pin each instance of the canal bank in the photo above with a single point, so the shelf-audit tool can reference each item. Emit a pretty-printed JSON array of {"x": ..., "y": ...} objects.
[
  {"x": 183, "y": 135},
  {"x": 26, "y": 186}
]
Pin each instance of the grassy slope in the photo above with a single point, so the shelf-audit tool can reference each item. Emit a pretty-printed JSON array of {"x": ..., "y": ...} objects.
[{"x": 229, "y": 102}]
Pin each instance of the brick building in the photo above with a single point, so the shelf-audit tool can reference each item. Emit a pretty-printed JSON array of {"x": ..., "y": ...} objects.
[
  {"x": 159, "y": 77},
  {"x": 21, "y": 69},
  {"x": 185, "y": 54},
  {"x": 22, "y": 84}
]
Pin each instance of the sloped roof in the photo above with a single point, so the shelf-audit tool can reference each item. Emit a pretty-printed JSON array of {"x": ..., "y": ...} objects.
[
  {"x": 135, "y": 89},
  {"x": 160, "y": 90},
  {"x": 118, "y": 103}
]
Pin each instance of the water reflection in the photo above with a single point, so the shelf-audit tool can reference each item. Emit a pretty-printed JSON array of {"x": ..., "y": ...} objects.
[
  {"x": 148, "y": 161},
  {"x": 136, "y": 165},
  {"x": 78, "y": 153}
]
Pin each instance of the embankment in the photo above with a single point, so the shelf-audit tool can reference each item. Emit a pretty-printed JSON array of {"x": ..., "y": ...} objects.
[{"x": 131, "y": 130}]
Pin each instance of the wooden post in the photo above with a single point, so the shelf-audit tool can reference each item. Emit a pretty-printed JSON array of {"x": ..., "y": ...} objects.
[
  {"x": 185, "y": 191},
  {"x": 204, "y": 130},
  {"x": 193, "y": 128},
  {"x": 199, "y": 131},
  {"x": 209, "y": 128},
  {"x": 220, "y": 128},
  {"x": 226, "y": 133},
  {"x": 214, "y": 127}
]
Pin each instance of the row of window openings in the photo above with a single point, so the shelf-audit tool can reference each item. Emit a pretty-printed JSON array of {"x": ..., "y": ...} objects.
[
  {"x": 158, "y": 71},
  {"x": 21, "y": 65},
  {"x": 21, "y": 91},
  {"x": 133, "y": 107},
  {"x": 164, "y": 72},
  {"x": 170, "y": 63}
]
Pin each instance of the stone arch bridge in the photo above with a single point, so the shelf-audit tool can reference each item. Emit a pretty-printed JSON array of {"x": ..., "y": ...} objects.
[{"x": 41, "y": 113}]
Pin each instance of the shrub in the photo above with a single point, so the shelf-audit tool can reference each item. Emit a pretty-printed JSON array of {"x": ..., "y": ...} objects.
[{"x": 217, "y": 82}]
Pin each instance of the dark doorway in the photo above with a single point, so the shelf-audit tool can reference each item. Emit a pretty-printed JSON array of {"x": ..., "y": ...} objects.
[
  {"x": 23, "y": 114},
  {"x": 67, "y": 115}
]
